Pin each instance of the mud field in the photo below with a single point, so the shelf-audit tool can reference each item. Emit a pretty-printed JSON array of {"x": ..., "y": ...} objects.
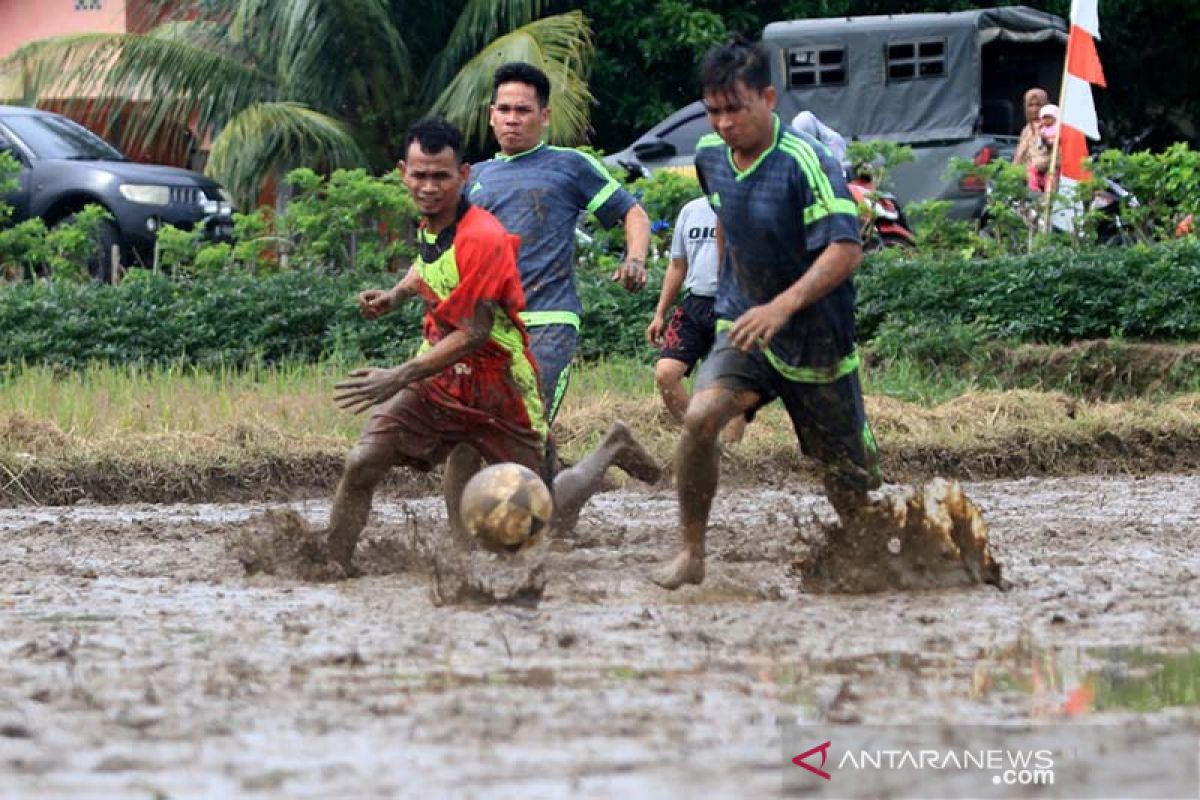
[{"x": 138, "y": 658}]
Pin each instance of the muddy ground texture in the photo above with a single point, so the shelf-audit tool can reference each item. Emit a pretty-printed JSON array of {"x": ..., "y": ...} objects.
[{"x": 145, "y": 653}]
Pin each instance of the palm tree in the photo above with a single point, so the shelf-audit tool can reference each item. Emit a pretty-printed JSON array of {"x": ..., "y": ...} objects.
[{"x": 325, "y": 83}]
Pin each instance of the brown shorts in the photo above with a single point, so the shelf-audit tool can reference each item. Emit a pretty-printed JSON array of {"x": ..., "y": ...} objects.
[{"x": 422, "y": 424}]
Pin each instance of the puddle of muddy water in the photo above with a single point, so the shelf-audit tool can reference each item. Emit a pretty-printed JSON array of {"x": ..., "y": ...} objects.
[
  {"x": 1074, "y": 681},
  {"x": 138, "y": 657}
]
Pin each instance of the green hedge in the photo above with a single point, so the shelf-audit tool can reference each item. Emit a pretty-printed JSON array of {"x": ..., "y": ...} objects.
[
  {"x": 227, "y": 319},
  {"x": 1053, "y": 296},
  {"x": 236, "y": 318}
]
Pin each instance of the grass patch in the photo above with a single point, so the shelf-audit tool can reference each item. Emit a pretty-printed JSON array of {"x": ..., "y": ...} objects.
[{"x": 160, "y": 434}]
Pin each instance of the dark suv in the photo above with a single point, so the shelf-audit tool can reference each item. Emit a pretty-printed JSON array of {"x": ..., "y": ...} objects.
[{"x": 65, "y": 167}]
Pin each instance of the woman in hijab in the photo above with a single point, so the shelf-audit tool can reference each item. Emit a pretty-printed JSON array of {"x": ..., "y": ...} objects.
[{"x": 1028, "y": 144}]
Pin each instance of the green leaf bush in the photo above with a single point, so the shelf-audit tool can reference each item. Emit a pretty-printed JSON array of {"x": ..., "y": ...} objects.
[
  {"x": 936, "y": 308},
  {"x": 1055, "y": 296}
]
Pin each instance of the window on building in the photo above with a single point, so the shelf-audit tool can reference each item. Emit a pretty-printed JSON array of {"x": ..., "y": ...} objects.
[
  {"x": 816, "y": 66},
  {"x": 89, "y": 5},
  {"x": 922, "y": 58}
]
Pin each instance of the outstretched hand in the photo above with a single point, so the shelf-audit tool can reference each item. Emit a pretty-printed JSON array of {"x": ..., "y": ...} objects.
[
  {"x": 758, "y": 326},
  {"x": 368, "y": 387},
  {"x": 631, "y": 274},
  {"x": 374, "y": 303}
]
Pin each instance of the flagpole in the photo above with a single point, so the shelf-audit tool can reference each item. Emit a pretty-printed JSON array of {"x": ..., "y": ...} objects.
[{"x": 1051, "y": 178}]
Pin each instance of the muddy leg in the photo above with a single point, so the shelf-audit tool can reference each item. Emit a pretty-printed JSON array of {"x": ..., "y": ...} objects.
[
  {"x": 365, "y": 467},
  {"x": 734, "y": 430},
  {"x": 462, "y": 463},
  {"x": 574, "y": 486},
  {"x": 848, "y": 501},
  {"x": 697, "y": 468},
  {"x": 668, "y": 374}
]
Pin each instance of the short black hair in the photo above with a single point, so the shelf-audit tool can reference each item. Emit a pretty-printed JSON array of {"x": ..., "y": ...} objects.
[
  {"x": 435, "y": 135},
  {"x": 520, "y": 72},
  {"x": 738, "y": 60}
]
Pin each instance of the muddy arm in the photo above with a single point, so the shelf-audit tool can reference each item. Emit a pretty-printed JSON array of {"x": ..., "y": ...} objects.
[{"x": 368, "y": 387}]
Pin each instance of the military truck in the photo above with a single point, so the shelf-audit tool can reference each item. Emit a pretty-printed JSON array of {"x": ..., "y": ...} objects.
[{"x": 947, "y": 84}]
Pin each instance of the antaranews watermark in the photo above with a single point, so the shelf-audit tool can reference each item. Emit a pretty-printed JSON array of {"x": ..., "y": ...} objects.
[{"x": 1143, "y": 761}]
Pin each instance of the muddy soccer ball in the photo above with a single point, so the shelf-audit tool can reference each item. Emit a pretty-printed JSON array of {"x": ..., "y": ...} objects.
[{"x": 506, "y": 505}]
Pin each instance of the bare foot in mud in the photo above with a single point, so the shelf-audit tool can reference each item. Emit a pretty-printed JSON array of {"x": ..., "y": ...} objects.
[
  {"x": 684, "y": 568},
  {"x": 631, "y": 456}
]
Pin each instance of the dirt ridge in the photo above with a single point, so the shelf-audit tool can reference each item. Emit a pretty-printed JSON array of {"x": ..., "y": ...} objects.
[{"x": 99, "y": 478}]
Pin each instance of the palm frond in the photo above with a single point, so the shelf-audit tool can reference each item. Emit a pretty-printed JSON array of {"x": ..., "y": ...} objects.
[
  {"x": 560, "y": 45},
  {"x": 171, "y": 82},
  {"x": 267, "y": 137},
  {"x": 336, "y": 55},
  {"x": 480, "y": 22},
  {"x": 213, "y": 36}
]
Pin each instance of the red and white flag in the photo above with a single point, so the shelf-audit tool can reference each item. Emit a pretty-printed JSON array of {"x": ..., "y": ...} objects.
[{"x": 1078, "y": 109}]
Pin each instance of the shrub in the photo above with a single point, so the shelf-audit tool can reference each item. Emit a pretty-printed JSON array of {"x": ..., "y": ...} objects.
[
  {"x": 1058, "y": 295},
  {"x": 349, "y": 220},
  {"x": 932, "y": 308}
]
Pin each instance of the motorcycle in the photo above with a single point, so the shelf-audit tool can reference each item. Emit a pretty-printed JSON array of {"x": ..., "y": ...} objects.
[
  {"x": 882, "y": 221},
  {"x": 1108, "y": 202}
]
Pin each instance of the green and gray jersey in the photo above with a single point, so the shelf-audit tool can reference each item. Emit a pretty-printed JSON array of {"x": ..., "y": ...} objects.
[
  {"x": 538, "y": 195},
  {"x": 778, "y": 215}
]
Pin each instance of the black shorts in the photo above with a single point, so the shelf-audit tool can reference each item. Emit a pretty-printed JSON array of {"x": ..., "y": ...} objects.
[
  {"x": 829, "y": 418},
  {"x": 690, "y": 333}
]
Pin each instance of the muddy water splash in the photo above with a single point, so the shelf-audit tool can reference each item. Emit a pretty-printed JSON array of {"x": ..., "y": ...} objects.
[
  {"x": 929, "y": 537},
  {"x": 281, "y": 542},
  {"x": 481, "y": 578}
]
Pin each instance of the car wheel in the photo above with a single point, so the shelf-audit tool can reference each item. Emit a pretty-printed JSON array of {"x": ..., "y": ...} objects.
[
  {"x": 103, "y": 268},
  {"x": 101, "y": 265},
  {"x": 896, "y": 240}
]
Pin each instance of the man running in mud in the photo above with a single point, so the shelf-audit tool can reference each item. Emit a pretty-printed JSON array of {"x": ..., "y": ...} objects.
[
  {"x": 474, "y": 379},
  {"x": 788, "y": 232},
  {"x": 538, "y": 193}
]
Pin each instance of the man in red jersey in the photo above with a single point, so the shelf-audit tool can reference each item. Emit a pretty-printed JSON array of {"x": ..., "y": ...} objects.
[{"x": 474, "y": 380}]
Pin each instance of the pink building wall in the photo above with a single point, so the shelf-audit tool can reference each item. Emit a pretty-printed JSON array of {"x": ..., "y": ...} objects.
[{"x": 23, "y": 21}]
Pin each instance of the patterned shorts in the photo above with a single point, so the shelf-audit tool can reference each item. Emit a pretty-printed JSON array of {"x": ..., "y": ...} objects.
[{"x": 691, "y": 331}]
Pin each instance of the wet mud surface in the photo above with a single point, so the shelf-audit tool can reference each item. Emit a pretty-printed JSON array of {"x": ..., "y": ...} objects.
[{"x": 141, "y": 655}]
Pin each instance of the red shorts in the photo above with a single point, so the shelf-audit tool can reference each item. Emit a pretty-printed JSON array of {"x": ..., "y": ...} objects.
[{"x": 423, "y": 423}]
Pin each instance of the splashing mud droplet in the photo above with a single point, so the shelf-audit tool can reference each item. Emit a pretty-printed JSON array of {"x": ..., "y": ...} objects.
[
  {"x": 936, "y": 538},
  {"x": 484, "y": 578},
  {"x": 280, "y": 542}
]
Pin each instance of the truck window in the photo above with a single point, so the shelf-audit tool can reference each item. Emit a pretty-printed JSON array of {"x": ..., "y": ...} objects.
[
  {"x": 916, "y": 59},
  {"x": 816, "y": 66}
]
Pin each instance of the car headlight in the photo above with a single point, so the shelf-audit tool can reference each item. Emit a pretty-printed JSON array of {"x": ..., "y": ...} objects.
[
  {"x": 226, "y": 196},
  {"x": 145, "y": 193}
]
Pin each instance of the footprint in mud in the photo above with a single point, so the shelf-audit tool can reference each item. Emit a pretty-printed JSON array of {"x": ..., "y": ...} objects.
[{"x": 933, "y": 537}]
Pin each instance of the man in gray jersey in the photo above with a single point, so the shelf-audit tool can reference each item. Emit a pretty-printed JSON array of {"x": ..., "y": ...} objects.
[{"x": 538, "y": 191}]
